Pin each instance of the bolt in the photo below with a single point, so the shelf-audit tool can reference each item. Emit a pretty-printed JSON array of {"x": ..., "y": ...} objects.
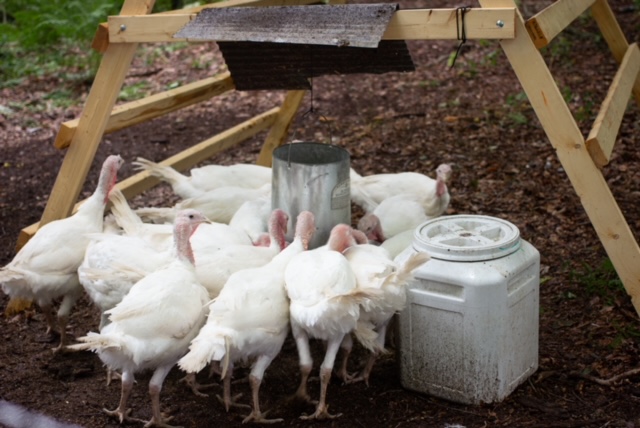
[
  {"x": 500, "y": 23},
  {"x": 123, "y": 27}
]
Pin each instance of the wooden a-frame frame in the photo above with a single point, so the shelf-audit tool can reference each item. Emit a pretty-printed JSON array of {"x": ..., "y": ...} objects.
[{"x": 581, "y": 158}]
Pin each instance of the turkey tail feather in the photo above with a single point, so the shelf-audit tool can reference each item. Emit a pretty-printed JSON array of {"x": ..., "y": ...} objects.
[
  {"x": 94, "y": 342},
  {"x": 197, "y": 358},
  {"x": 367, "y": 336},
  {"x": 160, "y": 214},
  {"x": 163, "y": 172},
  {"x": 405, "y": 273},
  {"x": 204, "y": 350},
  {"x": 124, "y": 215}
]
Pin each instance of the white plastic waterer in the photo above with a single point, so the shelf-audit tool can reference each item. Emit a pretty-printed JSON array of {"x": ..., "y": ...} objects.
[{"x": 469, "y": 332}]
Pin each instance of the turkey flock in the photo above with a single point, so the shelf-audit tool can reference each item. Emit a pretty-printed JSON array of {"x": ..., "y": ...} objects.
[{"x": 212, "y": 282}]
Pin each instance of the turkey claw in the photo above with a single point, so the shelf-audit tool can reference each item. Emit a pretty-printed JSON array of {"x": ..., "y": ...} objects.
[
  {"x": 260, "y": 418},
  {"x": 321, "y": 413},
  {"x": 122, "y": 416}
]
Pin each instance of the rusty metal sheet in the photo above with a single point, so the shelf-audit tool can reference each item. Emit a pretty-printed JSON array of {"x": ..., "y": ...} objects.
[
  {"x": 357, "y": 25},
  {"x": 289, "y": 66}
]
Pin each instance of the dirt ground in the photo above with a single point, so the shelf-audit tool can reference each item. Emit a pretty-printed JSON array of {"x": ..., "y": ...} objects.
[{"x": 474, "y": 116}]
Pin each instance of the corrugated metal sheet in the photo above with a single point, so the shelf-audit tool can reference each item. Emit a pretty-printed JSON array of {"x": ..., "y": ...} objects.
[
  {"x": 289, "y": 66},
  {"x": 358, "y": 25}
]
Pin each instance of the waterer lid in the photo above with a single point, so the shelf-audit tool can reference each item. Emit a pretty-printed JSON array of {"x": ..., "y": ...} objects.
[{"x": 467, "y": 238}]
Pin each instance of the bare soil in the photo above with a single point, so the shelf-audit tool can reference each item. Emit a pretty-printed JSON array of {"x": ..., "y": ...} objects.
[{"x": 474, "y": 116}]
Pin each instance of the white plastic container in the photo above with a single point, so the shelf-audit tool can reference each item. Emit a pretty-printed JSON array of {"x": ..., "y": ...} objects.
[{"x": 469, "y": 332}]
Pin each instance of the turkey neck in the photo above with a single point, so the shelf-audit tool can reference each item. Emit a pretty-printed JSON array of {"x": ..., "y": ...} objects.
[
  {"x": 108, "y": 176},
  {"x": 278, "y": 229},
  {"x": 441, "y": 187},
  {"x": 305, "y": 226},
  {"x": 181, "y": 234}
]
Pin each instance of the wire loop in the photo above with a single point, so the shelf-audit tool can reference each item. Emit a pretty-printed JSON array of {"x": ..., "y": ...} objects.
[{"x": 461, "y": 33}]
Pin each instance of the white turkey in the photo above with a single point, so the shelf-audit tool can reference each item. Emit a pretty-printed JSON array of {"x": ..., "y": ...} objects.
[
  {"x": 391, "y": 217},
  {"x": 45, "y": 269},
  {"x": 253, "y": 217},
  {"x": 113, "y": 262},
  {"x": 213, "y": 236},
  {"x": 249, "y": 319},
  {"x": 215, "y": 268},
  {"x": 208, "y": 177},
  {"x": 433, "y": 194},
  {"x": 151, "y": 328},
  {"x": 325, "y": 304},
  {"x": 398, "y": 243},
  {"x": 217, "y": 205},
  {"x": 160, "y": 236},
  {"x": 374, "y": 268}
]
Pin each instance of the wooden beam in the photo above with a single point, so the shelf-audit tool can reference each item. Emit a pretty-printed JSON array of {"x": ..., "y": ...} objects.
[
  {"x": 241, "y": 3},
  {"x": 549, "y": 22},
  {"x": 565, "y": 136},
  {"x": 603, "y": 135},
  {"x": 142, "y": 181},
  {"x": 95, "y": 114},
  {"x": 138, "y": 111},
  {"x": 418, "y": 24},
  {"x": 442, "y": 24},
  {"x": 612, "y": 33},
  {"x": 278, "y": 132},
  {"x": 101, "y": 38}
]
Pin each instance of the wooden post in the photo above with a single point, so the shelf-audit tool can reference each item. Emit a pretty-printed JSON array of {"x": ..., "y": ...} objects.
[
  {"x": 97, "y": 110},
  {"x": 565, "y": 136},
  {"x": 613, "y": 35},
  {"x": 603, "y": 135}
]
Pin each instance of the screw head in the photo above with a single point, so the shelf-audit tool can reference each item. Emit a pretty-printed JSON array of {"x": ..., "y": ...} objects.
[
  {"x": 123, "y": 27},
  {"x": 500, "y": 23}
]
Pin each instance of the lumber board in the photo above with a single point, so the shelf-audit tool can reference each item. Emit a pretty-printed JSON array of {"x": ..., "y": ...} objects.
[
  {"x": 549, "y": 22},
  {"x": 565, "y": 136},
  {"x": 142, "y": 181},
  {"x": 156, "y": 105},
  {"x": 101, "y": 38},
  {"x": 417, "y": 24},
  {"x": 95, "y": 114},
  {"x": 241, "y": 3},
  {"x": 278, "y": 132},
  {"x": 613, "y": 35},
  {"x": 603, "y": 135}
]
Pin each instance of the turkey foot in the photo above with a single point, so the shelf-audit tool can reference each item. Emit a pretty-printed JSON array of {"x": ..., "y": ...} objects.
[
  {"x": 232, "y": 402},
  {"x": 322, "y": 412},
  {"x": 301, "y": 393},
  {"x": 347, "y": 378},
  {"x": 154, "y": 422},
  {"x": 366, "y": 371},
  {"x": 122, "y": 415},
  {"x": 260, "y": 418},
  {"x": 192, "y": 383}
]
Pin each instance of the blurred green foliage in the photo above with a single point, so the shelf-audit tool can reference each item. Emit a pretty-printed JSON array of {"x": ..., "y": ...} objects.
[{"x": 40, "y": 37}]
